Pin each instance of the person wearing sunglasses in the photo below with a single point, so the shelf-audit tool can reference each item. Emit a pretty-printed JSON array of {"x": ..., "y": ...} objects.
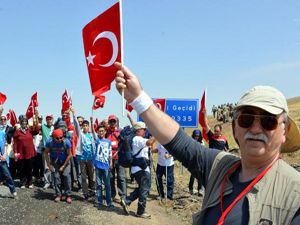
[
  {"x": 59, "y": 149},
  {"x": 256, "y": 188},
  {"x": 117, "y": 171}
]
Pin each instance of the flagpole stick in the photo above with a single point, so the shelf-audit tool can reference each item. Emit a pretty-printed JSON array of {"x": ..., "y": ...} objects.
[
  {"x": 122, "y": 54},
  {"x": 93, "y": 110},
  {"x": 166, "y": 181}
]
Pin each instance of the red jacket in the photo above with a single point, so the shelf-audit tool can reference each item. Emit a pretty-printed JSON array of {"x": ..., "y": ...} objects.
[
  {"x": 71, "y": 129},
  {"x": 23, "y": 143},
  {"x": 113, "y": 135}
]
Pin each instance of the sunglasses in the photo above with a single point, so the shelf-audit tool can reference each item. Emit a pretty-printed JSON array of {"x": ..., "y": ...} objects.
[
  {"x": 267, "y": 122},
  {"x": 59, "y": 138},
  {"x": 112, "y": 121},
  {"x": 3, "y": 119}
]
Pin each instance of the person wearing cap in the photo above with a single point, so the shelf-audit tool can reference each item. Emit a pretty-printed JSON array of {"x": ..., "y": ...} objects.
[
  {"x": 72, "y": 136},
  {"x": 59, "y": 149},
  {"x": 47, "y": 129},
  {"x": 140, "y": 149},
  {"x": 112, "y": 134},
  {"x": 24, "y": 150},
  {"x": 197, "y": 136},
  {"x": 257, "y": 188}
]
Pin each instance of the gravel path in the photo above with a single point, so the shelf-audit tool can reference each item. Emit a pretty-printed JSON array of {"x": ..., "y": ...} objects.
[{"x": 36, "y": 207}]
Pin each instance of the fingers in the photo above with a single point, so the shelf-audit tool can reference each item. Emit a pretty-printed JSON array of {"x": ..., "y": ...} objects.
[
  {"x": 120, "y": 80},
  {"x": 127, "y": 74}
]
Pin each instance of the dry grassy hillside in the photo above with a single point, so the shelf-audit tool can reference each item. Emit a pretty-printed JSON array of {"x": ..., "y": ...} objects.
[{"x": 294, "y": 107}]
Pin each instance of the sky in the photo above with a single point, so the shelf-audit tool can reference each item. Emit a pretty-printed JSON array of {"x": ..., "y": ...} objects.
[{"x": 176, "y": 48}]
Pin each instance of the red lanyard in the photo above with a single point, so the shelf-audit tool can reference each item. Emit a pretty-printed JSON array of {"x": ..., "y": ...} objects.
[{"x": 243, "y": 193}]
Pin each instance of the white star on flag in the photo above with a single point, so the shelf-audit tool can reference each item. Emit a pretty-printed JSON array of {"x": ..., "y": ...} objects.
[{"x": 90, "y": 58}]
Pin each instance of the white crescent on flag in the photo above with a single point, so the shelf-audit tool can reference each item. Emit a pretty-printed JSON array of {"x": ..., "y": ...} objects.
[
  {"x": 97, "y": 103},
  {"x": 158, "y": 105},
  {"x": 113, "y": 39}
]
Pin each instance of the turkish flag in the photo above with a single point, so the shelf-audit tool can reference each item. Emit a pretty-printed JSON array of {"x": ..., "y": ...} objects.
[
  {"x": 160, "y": 103},
  {"x": 12, "y": 117},
  {"x": 102, "y": 47},
  {"x": 98, "y": 102},
  {"x": 96, "y": 124},
  {"x": 202, "y": 116},
  {"x": 8, "y": 116},
  {"x": 32, "y": 106},
  {"x": 66, "y": 101},
  {"x": 128, "y": 107},
  {"x": 2, "y": 98}
]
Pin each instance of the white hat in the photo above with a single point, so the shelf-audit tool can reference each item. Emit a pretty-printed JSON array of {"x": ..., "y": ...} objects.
[
  {"x": 274, "y": 102},
  {"x": 139, "y": 125}
]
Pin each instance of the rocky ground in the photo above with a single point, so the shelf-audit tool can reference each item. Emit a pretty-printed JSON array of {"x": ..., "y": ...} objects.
[{"x": 36, "y": 206}]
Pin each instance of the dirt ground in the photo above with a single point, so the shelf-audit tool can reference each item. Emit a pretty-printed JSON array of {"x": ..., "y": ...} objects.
[{"x": 36, "y": 207}]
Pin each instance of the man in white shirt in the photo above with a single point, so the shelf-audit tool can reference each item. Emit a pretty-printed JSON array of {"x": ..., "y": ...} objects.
[
  {"x": 165, "y": 167},
  {"x": 141, "y": 173}
]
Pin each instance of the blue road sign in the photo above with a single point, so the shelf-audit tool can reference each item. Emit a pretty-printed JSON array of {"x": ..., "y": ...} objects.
[{"x": 183, "y": 111}]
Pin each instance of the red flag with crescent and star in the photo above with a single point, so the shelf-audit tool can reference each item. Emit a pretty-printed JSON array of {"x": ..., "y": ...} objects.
[
  {"x": 160, "y": 103},
  {"x": 102, "y": 47},
  {"x": 128, "y": 107},
  {"x": 66, "y": 101},
  {"x": 202, "y": 116},
  {"x": 11, "y": 116},
  {"x": 2, "y": 98},
  {"x": 32, "y": 106},
  {"x": 96, "y": 124},
  {"x": 99, "y": 102}
]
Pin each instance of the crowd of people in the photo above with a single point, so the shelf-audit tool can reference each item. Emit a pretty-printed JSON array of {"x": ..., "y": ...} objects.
[
  {"x": 256, "y": 188},
  {"x": 68, "y": 154}
]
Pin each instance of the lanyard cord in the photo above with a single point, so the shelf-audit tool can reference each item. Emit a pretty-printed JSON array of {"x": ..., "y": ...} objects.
[{"x": 243, "y": 193}]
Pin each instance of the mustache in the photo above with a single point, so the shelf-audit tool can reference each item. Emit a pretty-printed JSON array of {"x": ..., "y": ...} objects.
[{"x": 258, "y": 137}]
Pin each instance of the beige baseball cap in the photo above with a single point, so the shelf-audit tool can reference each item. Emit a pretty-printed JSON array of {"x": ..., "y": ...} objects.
[
  {"x": 139, "y": 125},
  {"x": 273, "y": 101}
]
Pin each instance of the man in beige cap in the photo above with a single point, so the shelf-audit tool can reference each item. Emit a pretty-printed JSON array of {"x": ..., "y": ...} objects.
[
  {"x": 140, "y": 170},
  {"x": 259, "y": 187}
]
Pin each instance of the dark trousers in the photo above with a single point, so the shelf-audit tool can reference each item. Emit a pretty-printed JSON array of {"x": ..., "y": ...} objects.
[
  {"x": 61, "y": 180},
  {"x": 14, "y": 168},
  {"x": 75, "y": 172},
  {"x": 26, "y": 166},
  {"x": 87, "y": 175},
  {"x": 141, "y": 192},
  {"x": 121, "y": 180},
  {"x": 38, "y": 167},
  {"x": 191, "y": 183},
  {"x": 160, "y": 172},
  {"x": 5, "y": 175}
]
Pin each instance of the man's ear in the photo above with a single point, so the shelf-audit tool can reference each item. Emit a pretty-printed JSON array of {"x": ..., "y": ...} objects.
[
  {"x": 286, "y": 129},
  {"x": 233, "y": 131}
]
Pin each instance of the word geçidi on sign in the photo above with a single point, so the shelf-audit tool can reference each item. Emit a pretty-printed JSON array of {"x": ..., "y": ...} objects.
[{"x": 183, "y": 108}]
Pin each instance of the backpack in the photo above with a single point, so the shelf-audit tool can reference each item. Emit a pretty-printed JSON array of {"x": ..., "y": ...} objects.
[
  {"x": 125, "y": 155},
  {"x": 60, "y": 124}
]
